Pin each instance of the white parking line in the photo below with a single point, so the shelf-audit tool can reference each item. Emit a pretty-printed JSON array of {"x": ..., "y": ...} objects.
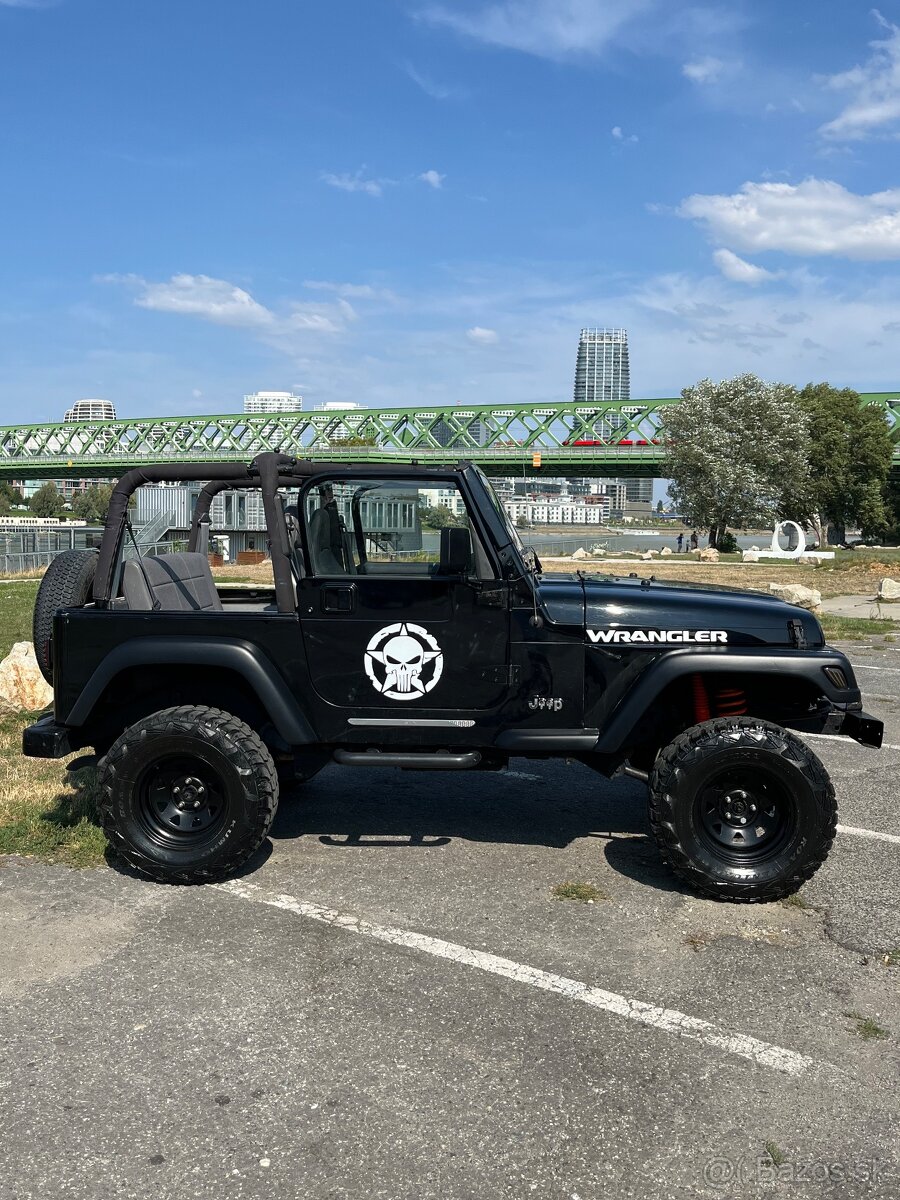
[
  {"x": 844, "y": 741},
  {"x": 874, "y": 834},
  {"x": 667, "y": 1020}
]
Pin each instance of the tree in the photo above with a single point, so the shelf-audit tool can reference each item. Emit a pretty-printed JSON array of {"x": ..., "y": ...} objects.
[
  {"x": 93, "y": 504},
  {"x": 10, "y": 494},
  {"x": 4, "y": 505},
  {"x": 849, "y": 460},
  {"x": 659, "y": 506},
  {"x": 735, "y": 451},
  {"x": 46, "y": 501},
  {"x": 437, "y": 518}
]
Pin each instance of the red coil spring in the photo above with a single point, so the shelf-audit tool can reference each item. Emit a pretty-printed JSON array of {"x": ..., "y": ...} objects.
[
  {"x": 731, "y": 702},
  {"x": 701, "y": 699}
]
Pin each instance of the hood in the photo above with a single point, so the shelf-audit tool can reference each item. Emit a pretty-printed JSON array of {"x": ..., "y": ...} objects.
[{"x": 644, "y": 613}]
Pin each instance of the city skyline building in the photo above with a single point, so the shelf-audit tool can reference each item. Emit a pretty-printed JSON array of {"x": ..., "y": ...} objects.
[
  {"x": 90, "y": 410},
  {"x": 602, "y": 367},
  {"x": 272, "y": 402}
]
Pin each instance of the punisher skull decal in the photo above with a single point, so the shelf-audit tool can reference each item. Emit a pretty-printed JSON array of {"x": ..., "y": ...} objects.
[{"x": 403, "y": 661}]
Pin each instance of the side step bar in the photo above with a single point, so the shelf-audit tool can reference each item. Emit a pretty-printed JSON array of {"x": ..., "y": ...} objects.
[{"x": 440, "y": 761}]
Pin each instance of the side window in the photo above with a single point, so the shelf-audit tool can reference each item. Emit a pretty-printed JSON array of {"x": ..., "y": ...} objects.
[{"x": 390, "y": 527}]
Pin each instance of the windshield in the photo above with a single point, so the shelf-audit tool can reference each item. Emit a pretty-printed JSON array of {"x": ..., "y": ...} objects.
[{"x": 504, "y": 517}]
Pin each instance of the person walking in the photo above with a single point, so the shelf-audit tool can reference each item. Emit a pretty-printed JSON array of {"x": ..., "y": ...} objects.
[
  {"x": 694, "y": 539},
  {"x": 680, "y": 542}
]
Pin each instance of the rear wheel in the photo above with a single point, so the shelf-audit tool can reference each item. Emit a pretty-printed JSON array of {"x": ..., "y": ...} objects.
[
  {"x": 187, "y": 794},
  {"x": 67, "y": 583},
  {"x": 742, "y": 809}
]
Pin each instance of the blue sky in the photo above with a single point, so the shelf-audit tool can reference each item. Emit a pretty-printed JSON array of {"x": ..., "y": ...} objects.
[{"x": 404, "y": 201}]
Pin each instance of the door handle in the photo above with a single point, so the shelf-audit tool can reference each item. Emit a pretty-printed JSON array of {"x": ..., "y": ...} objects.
[{"x": 339, "y": 598}]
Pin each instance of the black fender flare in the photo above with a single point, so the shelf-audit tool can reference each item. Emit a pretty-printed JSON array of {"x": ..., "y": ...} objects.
[
  {"x": 809, "y": 665},
  {"x": 232, "y": 654}
]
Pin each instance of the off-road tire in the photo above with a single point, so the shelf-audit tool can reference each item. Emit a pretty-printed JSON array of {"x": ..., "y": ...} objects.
[
  {"x": 223, "y": 749},
  {"x": 681, "y": 784},
  {"x": 67, "y": 583}
]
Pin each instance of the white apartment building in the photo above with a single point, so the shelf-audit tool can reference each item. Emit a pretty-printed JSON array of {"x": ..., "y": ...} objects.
[
  {"x": 448, "y": 498},
  {"x": 272, "y": 402},
  {"x": 558, "y": 512},
  {"x": 91, "y": 410}
]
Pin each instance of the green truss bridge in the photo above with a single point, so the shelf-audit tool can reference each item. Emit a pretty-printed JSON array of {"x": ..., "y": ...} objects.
[{"x": 616, "y": 439}]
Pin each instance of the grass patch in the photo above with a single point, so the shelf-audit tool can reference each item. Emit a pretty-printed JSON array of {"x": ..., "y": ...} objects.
[
  {"x": 46, "y": 813},
  {"x": 867, "y": 1027},
  {"x": 796, "y": 901},
  {"x": 855, "y": 629},
  {"x": 16, "y": 612},
  {"x": 776, "y": 1154},
  {"x": 697, "y": 941},
  {"x": 584, "y": 893}
]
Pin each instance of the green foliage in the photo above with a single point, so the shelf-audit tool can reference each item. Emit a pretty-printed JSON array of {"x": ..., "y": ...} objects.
[
  {"x": 735, "y": 451},
  {"x": 4, "y": 505},
  {"x": 659, "y": 506},
  {"x": 849, "y": 461},
  {"x": 12, "y": 495},
  {"x": 355, "y": 439},
  {"x": 46, "y": 501},
  {"x": 93, "y": 504},
  {"x": 727, "y": 543},
  {"x": 438, "y": 518}
]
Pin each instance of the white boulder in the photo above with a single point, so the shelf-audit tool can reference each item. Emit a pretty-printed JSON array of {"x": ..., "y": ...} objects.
[
  {"x": 750, "y": 556},
  {"x": 889, "y": 589},
  {"x": 796, "y": 593},
  {"x": 708, "y": 554},
  {"x": 580, "y": 553},
  {"x": 665, "y": 552},
  {"x": 22, "y": 686}
]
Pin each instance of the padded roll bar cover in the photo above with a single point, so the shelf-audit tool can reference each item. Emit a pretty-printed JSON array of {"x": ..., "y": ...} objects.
[{"x": 118, "y": 508}]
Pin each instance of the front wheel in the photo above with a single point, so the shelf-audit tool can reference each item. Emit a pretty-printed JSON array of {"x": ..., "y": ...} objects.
[
  {"x": 742, "y": 809},
  {"x": 187, "y": 794}
]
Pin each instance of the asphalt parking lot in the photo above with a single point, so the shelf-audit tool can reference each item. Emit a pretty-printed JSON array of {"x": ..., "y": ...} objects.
[{"x": 390, "y": 1003}]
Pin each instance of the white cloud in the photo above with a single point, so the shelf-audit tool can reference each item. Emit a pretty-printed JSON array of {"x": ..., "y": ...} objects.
[
  {"x": 434, "y": 179},
  {"x": 357, "y": 182},
  {"x": 619, "y": 136},
  {"x": 437, "y": 91},
  {"x": 211, "y": 299},
  {"x": 481, "y": 336},
  {"x": 738, "y": 270},
  {"x": 222, "y": 303},
  {"x": 703, "y": 70},
  {"x": 546, "y": 28},
  {"x": 816, "y": 217},
  {"x": 351, "y": 291},
  {"x": 874, "y": 91}
]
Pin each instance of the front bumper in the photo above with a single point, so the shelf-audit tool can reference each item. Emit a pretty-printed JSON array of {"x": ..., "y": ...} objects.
[
  {"x": 47, "y": 739},
  {"x": 866, "y": 730}
]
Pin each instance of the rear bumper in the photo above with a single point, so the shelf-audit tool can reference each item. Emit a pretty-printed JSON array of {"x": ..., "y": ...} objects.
[{"x": 47, "y": 739}]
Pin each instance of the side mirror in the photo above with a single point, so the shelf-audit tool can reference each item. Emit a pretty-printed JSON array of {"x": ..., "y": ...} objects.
[{"x": 456, "y": 551}]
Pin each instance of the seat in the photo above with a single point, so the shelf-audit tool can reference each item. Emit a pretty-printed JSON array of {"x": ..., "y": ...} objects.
[
  {"x": 170, "y": 583},
  {"x": 321, "y": 548}
]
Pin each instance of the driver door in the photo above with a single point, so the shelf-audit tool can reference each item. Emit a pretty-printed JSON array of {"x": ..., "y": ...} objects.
[{"x": 405, "y": 620}]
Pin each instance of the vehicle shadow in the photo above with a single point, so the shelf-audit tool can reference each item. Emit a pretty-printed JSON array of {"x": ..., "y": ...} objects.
[{"x": 543, "y": 805}]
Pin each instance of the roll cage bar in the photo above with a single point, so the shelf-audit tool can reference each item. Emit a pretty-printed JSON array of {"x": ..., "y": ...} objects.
[{"x": 268, "y": 472}]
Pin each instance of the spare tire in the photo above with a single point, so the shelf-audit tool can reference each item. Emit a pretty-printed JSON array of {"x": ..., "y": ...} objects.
[{"x": 67, "y": 583}]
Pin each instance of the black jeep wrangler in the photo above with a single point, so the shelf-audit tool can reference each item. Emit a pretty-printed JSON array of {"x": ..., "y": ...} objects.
[{"x": 386, "y": 642}]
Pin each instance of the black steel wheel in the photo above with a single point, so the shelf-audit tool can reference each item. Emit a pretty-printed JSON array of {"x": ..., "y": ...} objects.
[
  {"x": 742, "y": 809},
  {"x": 187, "y": 794}
]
